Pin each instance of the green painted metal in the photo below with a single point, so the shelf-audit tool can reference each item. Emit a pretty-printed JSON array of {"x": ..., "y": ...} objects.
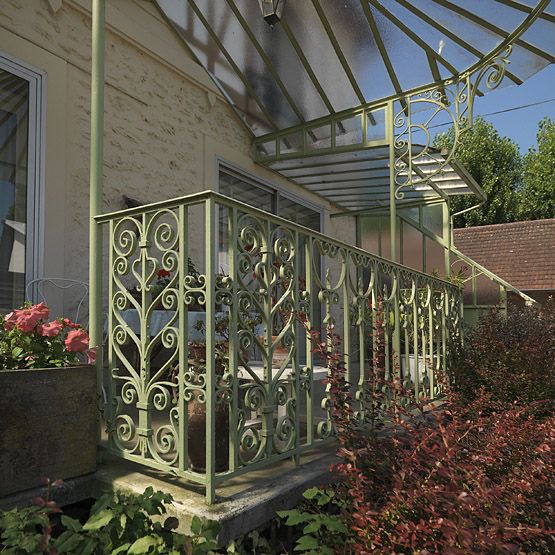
[
  {"x": 413, "y": 119},
  {"x": 96, "y": 168},
  {"x": 269, "y": 147},
  {"x": 480, "y": 296},
  {"x": 258, "y": 273},
  {"x": 413, "y": 162}
]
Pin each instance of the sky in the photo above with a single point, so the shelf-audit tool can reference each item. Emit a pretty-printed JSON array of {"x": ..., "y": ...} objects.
[{"x": 520, "y": 125}]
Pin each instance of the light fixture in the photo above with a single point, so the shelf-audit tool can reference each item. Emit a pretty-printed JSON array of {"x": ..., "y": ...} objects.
[{"x": 271, "y": 10}]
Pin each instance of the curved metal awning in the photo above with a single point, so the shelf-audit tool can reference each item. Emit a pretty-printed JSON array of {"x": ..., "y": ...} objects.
[
  {"x": 318, "y": 82},
  {"x": 357, "y": 181}
]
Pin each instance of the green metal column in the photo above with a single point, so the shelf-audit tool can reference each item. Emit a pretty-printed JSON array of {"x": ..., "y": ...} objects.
[
  {"x": 392, "y": 207},
  {"x": 446, "y": 237},
  {"x": 96, "y": 166},
  {"x": 396, "y": 336},
  {"x": 210, "y": 384}
]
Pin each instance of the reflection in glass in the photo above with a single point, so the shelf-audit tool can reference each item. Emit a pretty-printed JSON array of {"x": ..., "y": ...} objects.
[{"x": 14, "y": 138}]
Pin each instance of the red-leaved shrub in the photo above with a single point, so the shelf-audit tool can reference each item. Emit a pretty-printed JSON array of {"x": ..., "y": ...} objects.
[
  {"x": 473, "y": 476},
  {"x": 512, "y": 356}
]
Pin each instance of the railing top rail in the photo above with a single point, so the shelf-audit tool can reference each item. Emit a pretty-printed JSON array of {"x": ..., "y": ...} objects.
[
  {"x": 198, "y": 198},
  {"x": 492, "y": 276},
  {"x": 194, "y": 198}
]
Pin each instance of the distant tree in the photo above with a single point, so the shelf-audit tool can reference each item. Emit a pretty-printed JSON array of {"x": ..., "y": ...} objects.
[
  {"x": 537, "y": 197},
  {"x": 496, "y": 165}
]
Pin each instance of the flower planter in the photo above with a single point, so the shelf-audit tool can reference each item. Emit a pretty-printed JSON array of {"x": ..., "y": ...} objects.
[
  {"x": 197, "y": 436},
  {"x": 48, "y": 425},
  {"x": 197, "y": 419}
]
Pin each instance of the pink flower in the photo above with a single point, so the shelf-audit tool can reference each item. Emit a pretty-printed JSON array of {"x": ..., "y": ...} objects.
[
  {"x": 51, "y": 329},
  {"x": 27, "y": 319},
  {"x": 41, "y": 310},
  {"x": 77, "y": 341},
  {"x": 91, "y": 355},
  {"x": 70, "y": 324},
  {"x": 10, "y": 321}
]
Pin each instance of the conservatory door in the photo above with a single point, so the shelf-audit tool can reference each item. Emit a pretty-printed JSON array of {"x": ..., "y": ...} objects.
[{"x": 19, "y": 178}]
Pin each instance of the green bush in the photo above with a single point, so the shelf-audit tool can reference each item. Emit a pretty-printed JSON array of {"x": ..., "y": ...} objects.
[{"x": 118, "y": 524}]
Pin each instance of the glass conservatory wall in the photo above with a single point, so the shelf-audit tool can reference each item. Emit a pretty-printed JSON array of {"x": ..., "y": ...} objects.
[{"x": 420, "y": 241}]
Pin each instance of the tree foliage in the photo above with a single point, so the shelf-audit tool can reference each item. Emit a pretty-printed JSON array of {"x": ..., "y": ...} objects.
[
  {"x": 537, "y": 198},
  {"x": 518, "y": 187},
  {"x": 496, "y": 165}
]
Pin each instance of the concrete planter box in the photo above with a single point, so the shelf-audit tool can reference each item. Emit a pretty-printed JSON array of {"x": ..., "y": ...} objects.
[{"x": 47, "y": 425}]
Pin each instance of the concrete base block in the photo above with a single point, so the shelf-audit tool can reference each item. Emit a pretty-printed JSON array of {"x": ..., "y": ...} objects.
[
  {"x": 244, "y": 503},
  {"x": 71, "y": 491}
]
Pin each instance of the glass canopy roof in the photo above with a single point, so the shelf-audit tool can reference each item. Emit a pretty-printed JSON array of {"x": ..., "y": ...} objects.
[
  {"x": 361, "y": 180},
  {"x": 326, "y": 58}
]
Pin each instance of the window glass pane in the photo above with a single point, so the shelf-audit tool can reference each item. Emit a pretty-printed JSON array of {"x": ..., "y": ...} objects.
[
  {"x": 259, "y": 196},
  {"x": 295, "y": 212},
  {"x": 370, "y": 234},
  {"x": 234, "y": 187},
  {"x": 14, "y": 140},
  {"x": 435, "y": 261},
  {"x": 412, "y": 247},
  {"x": 411, "y": 213},
  {"x": 487, "y": 291},
  {"x": 432, "y": 218}
]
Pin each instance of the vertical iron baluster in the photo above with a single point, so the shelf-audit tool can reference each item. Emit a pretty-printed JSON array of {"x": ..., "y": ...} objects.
[
  {"x": 210, "y": 399},
  {"x": 234, "y": 343},
  {"x": 309, "y": 325}
]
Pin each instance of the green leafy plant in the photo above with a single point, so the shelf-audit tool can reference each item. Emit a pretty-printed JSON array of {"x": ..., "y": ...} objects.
[
  {"x": 323, "y": 529},
  {"x": 119, "y": 523},
  {"x": 29, "y": 340}
]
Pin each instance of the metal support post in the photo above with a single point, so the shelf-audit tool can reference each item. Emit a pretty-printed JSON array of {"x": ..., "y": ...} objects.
[{"x": 96, "y": 167}]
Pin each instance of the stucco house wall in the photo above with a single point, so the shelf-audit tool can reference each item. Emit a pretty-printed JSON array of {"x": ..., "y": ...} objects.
[{"x": 165, "y": 121}]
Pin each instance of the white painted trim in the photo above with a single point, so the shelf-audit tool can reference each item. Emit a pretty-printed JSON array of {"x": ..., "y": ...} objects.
[{"x": 34, "y": 236}]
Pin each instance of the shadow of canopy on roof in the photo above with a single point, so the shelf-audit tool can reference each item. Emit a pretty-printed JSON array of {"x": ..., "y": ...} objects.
[{"x": 321, "y": 76}]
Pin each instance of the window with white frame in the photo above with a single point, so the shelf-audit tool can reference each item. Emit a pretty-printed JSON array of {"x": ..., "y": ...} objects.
[
  {"x": 260, "y": 195},
  {"x": 20, "y": 154}
]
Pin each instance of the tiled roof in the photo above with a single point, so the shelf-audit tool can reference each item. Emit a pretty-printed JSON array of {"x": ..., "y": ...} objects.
[{"x": 522, "y": 253}]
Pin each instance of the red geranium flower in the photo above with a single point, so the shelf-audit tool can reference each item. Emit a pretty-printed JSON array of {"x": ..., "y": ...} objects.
[
  {"x": 27, "y": 319},
  {"x": 51, "y": 329},
  {"x": 10, "y": 321},
  {"x": 77, "y": 341}
]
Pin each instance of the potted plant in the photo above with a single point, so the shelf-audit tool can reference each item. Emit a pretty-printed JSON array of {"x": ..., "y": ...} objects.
[
  {"x": 163, "y": 278},
  {"x": 197, "y": 410},
  {"x": 48, "y": 402}
]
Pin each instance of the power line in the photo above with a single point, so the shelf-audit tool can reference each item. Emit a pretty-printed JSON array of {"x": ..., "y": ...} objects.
[{"x": 514, "y": 108}]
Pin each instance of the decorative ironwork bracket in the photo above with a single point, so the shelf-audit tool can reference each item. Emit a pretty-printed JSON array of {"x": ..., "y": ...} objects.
[{"x": 412, "y": 122}]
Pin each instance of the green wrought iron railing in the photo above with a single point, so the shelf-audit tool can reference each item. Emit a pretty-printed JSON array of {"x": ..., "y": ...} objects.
[
  {"x": 482, "y": 289},
  {"x": 211, "y": 372}
]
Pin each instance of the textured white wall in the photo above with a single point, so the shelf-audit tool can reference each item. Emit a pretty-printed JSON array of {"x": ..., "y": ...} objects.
[{"x": 161, "y": 112}]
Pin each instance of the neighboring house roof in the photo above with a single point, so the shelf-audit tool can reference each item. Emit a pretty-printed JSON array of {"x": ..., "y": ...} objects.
[{"x": 522, "y": 253}]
